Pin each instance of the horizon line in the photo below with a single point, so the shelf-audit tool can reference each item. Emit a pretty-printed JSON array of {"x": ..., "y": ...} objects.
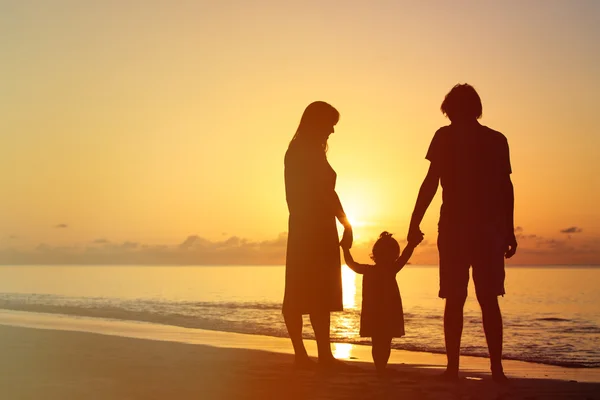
[{"x": 255, "y": 265}]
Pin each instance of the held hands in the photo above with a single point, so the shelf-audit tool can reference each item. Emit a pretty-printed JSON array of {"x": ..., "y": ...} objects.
[
  {"x": 347, "y": 238},
  {"x": 414, "y": 242},
  {"x": 415, "y": 236}
]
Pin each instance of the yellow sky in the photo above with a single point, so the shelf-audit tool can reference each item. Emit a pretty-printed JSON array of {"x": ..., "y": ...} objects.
[{"x": 152, "y": 122}]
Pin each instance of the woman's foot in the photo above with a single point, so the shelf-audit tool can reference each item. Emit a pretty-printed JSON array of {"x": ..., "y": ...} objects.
[
  {"x": 304, "y": 363},
  {"x": 333, "y": 364}
]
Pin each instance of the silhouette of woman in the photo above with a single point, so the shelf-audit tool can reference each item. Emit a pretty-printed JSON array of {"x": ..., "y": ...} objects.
[{"x": 313, "y": 277}]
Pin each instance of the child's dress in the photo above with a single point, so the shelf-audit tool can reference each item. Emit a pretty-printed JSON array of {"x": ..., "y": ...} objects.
[{"x": 381, "y": 313}]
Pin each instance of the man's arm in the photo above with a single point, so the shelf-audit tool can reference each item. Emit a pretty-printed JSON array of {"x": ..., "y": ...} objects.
[
  {"x": 508, "y": 193},
  {"x": 354, "y": 266},
  {"x": 511, "y": 246},
  {"x": 405, "y": 256},
  {"x": 426, "y": 194}
]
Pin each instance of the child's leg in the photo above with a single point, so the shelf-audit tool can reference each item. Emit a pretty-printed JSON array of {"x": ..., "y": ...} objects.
[{"x": 382, "y": 347}]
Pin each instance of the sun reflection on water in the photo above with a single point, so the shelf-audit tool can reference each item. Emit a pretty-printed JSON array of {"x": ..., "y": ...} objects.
[
  {"x": 345, "y": 325},
  {"x": 348, "y": 287}
]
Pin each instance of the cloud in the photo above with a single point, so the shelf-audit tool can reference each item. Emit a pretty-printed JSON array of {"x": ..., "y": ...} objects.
[
  {"x": 520, "y": 235},
  {"x": 552, "y": 244},
  {"x": 194, "y": 250},
  {"x": 194, "y": 241},
  {"x": 235, "y": 250},
  {"x": 572, "y": 229},
  {"x": 61, "y": 226},
  {"x": 535, "y": 250}
]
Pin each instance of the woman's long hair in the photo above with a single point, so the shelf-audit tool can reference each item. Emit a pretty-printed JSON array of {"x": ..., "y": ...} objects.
[{"x": 317, "y": 115}]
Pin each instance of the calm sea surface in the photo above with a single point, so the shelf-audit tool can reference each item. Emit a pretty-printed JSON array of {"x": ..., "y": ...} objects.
[{"x": 551, "y": 315}]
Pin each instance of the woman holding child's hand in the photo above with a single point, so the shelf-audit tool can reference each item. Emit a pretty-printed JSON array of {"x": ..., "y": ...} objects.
[{"x": 313, "y": 275}]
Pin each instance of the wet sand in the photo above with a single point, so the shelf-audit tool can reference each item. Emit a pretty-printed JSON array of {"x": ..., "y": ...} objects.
[{"x": 62, "y": 358}]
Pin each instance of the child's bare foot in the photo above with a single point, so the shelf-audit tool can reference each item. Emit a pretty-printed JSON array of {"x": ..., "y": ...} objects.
[{"x": 387, "y": 372}]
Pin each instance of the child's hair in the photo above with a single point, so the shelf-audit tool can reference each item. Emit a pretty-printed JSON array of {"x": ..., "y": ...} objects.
[{"x": 386, "y": 248}]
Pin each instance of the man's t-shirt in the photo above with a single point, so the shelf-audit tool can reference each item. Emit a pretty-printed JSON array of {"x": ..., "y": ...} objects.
[{"x": 474, "y": 164}]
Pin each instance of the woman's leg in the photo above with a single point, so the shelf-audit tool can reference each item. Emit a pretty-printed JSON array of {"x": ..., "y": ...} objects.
[
  {"x": 293, "y": 322},
  {"x": 381, "y": 349},
  {"x": 320, "y": 322}
]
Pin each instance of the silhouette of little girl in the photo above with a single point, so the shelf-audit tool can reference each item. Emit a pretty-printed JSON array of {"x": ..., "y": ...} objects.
[{"x": 381, "y": 317}]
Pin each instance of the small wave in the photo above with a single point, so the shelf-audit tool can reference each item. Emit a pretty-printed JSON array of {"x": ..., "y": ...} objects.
[
  {"x": 558, "y": 363},
  {"x": 265, "y": 327},
  {"x": 230, "y": 305},
  {"x": 553, "y": 319},
  {"x": 581, "y": 329},
  {"x": 432, "y": 316}
]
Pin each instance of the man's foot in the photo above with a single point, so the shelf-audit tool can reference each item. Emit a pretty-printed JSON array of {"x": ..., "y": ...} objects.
[
  {"x": 499, "y": 377},
  {"x": 448, "y": 376}
]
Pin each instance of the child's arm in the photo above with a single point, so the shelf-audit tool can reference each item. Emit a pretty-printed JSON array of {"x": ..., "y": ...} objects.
[
  {"x": 354, "y": 266},
  {"x": 405, "y": 256}
]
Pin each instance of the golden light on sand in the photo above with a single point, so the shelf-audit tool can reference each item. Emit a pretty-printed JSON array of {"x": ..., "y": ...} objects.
[{"x": 342, "y": 350}]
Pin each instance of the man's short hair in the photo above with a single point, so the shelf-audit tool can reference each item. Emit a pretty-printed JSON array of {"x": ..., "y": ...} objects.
[{"x": 462, "y": 103}]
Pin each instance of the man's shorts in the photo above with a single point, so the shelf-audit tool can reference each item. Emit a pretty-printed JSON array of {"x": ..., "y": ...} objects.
[{"x": 459, "y": 252}]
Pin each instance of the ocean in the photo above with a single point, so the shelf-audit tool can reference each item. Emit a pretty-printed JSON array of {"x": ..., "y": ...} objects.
[{"x": 551, "y": 314}]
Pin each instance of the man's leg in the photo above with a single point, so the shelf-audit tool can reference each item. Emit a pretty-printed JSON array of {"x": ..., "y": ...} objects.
[
  {"x": 293, "y": 322},
  {"x": 453, "y": 326},
  {"x": 489, "y": 276},
  {"x": 454, "y": 281},
  {"x": 492, "y": 326}
]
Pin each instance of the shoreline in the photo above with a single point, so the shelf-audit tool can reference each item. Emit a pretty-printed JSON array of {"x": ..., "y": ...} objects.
[
  {"x": 117, "y": 317},
  {"x": 345, "y": 351}
]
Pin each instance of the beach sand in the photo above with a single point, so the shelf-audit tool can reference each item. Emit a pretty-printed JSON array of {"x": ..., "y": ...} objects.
[{"x": 45, "y": 362}]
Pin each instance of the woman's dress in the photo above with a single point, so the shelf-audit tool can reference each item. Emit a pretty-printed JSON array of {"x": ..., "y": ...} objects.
[{"x": 313, "y": 276}]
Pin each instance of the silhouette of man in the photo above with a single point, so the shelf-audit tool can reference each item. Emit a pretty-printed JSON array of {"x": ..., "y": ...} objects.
[{"x": 476, "y": 227}]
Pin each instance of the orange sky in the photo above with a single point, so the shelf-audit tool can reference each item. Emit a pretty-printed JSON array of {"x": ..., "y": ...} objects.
[{"x": 138, "y": 125}]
